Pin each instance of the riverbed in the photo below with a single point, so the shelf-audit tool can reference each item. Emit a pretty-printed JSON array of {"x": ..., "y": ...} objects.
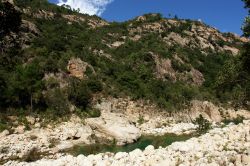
[{"x": 141, "y": 143}]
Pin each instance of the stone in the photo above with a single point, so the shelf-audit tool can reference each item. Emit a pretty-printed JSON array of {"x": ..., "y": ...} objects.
[
  {"x": 38, "y": 125},
  {"x": 77, "y": 68},
  {"x": 207, "y": 109},
  {"x": 150, "y": 148},
  {"x": 20, "y": 129},
  {"x": 81, "y": 157},
  {"x": 177, "y": 38},
  {"x": 38, "y": 119},
  {"x": 164, "y": 67},
  {"x": 4, "y": 133},
  {"x": 166, "y": 162},
  {"x": 245, "y": 159},
  {"x": 120, "y": 155},
  {"x": 117, "y": 44},
  {"x": 31, "y": 120},
  {"x": 64, "y": 145},
  {"x": 115, "y": 126},
  {"x": 233, "y": 50},
  {"x": 135, "y": 154}
]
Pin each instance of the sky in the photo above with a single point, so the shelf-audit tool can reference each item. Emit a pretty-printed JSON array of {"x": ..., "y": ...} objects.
[{"x": 225, "y": 15}]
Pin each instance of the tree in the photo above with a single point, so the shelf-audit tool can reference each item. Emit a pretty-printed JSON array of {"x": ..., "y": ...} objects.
[
  {"x": 246, "y": 25},
  {"x": 203, "y": 124},
  {"x": 245, "y": 58},
  {"x": 10, "y": 19},
  {"x": 79, "y": 94},
  {"x": 234, "y": 79}
]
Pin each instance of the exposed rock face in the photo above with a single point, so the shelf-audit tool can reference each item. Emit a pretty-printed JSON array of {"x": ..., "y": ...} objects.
[
  {"x": 28, "y": 26},
  {"x": 77, "y": 68},
  {"x": 117, "y": 44},
  {"x": 210, "y": 111},
  {"x": 206, "y": 109},
  {"x": 197, "y": 35},
  {"x": 233, "y": 50},
  {"x": 73, "y": 18},
  {"x": 164, "y": 68},
  {"x": 28, "y": 31},
  {"x": 97, "y": 23},
  {"x": 133, "y": 110},
  {"x": 221, "y": 146},
  {"x": 48, "y": 15},
  {"x": 177, "y": 39},
  {"x": 197, "y": 77},
  {"x": 60, "y": 78}
]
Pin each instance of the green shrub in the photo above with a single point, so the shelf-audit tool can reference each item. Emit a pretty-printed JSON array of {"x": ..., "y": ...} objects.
[
  {"x": 141, "y": 120},
  {"x": 203, "y": 124},
  {"x": 181, "y": 67},
  {"x": 237, "y": 120},
  {"x": 93, "y": 113},
  {"x": 33, "y": 155},
  {"x": 57, "y": 101},
  {"x": 79, "y": 94},
  {"x": 3, "y": 124},
  {"x": 95, "y": 85}
]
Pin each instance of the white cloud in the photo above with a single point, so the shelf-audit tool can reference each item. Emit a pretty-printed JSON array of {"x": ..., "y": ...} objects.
[{"x": 91, "y": 7}]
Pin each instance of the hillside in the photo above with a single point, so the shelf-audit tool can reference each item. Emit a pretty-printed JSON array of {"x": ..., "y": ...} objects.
[
  {"x": 75, "y": 89},
  {"x": 60, "y": 61}
]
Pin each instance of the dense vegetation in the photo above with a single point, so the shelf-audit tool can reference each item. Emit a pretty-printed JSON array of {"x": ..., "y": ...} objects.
[
  {"x": 129, "y": 72},
  {"x": 233, "y": 82}
]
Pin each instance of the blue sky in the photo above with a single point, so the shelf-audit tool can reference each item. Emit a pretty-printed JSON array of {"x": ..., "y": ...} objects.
[{"x": 226, "y": 15}]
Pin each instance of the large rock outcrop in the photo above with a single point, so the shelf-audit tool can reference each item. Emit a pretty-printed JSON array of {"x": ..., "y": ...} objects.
[
  {"x": 211, "y": 112},
  {"x": 114, "y": 126},
  {"x": 77, "y": 68}
]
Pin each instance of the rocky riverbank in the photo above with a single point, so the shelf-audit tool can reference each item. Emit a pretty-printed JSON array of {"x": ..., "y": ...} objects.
[
  {"x": 121, "y": 121},
  {"x": 52, "y": 140},
  {"x": 221, "y": 146}
]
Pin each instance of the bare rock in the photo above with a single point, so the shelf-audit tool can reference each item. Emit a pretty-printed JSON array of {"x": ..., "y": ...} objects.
[
  {"x": 207, "y": 109},
  {"x": 177, "y": 39},
  {"x": 20, "y": 129},
  {"x": 233, "y": 50},
  {"x": 4, "y": 133},
  {"x": 38, "y": 125},
  {"x": 77, "y": 68},
  {"x": 115, "y": 126},
  {"x": 245, "y": 159},
  {"x": 164, "y": 68},
  {"x": 117, "y": 44},
  {"x": 197, "y": 77},
  {"x": 31, "y": 120}
]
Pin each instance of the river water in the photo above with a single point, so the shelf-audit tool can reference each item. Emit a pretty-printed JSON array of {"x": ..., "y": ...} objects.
[{"x": 141, "y": 143}]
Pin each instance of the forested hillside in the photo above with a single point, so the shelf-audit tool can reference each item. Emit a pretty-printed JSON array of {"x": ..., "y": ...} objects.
[{"x": 55, "y": 61}]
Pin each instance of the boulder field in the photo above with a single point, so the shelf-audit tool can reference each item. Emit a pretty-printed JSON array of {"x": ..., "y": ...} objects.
[
  {"x": 123, "y": 122},
  {"x": 220, "y": 146}
]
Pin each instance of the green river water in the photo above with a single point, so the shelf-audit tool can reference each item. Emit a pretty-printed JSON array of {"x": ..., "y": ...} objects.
[{"x": 142, "y": 143}]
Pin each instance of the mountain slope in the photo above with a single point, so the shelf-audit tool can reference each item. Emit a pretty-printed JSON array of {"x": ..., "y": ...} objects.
[{"x": 61, "y": 60}]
